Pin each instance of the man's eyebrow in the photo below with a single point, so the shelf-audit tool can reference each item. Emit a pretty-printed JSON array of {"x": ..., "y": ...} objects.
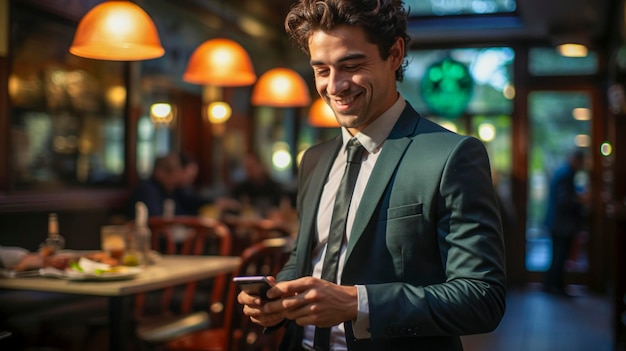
[{"x": 343, "y": 59}]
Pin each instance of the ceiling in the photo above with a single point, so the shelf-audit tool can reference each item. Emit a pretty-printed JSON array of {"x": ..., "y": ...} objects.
[{"x": 536, "y": 20}]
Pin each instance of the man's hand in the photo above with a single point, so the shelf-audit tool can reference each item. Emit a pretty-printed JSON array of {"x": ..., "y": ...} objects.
[
  {"x": 313, "y": 301},
  {"x": 253, "y": 308},
  {"x": 306, "y": 300},
  {"x": 29, "y": 261}
]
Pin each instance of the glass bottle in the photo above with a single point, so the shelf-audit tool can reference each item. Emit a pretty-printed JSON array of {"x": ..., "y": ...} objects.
[
  {"x": 54, "y": 242},
  {"x": 143, "y": 236},
  {"x": 132, "y": 257}
]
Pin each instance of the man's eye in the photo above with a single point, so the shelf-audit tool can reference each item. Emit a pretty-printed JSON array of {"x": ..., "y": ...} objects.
[
  {"x": 351, "y": 67},
  {"x": 321, "y": 72}
]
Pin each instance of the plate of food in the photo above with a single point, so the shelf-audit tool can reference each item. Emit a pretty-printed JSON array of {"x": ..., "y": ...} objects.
[{"x": 86, "y": 269}]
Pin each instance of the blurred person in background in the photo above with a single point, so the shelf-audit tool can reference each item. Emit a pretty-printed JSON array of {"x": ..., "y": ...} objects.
[
  {"x": 187, "y": 194},
  {"x": 165, "y": 179},
  {"x": 257, "y": 189},
  {"x": 565, "y": 218}
]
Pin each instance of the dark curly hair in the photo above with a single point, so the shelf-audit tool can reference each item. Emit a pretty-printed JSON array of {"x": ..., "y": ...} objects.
[{"x": 383, "y": 21}]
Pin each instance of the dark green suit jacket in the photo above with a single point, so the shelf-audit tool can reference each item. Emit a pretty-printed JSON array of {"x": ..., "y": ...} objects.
[{"x": 426, "y": 241}]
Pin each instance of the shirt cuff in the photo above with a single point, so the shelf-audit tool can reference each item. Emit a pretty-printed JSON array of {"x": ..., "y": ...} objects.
[{"x": 361, "y": 326}]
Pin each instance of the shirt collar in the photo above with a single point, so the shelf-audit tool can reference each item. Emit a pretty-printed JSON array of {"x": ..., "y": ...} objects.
[{"x": 374, "y": 135}]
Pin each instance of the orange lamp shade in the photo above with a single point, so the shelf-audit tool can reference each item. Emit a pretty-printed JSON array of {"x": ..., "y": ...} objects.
[
  {"x": 321, "y": 115},
  {"x": 220, "y": 62},
  {"x": 281, "y": 87},
  {"x": 117, "y": 31}
]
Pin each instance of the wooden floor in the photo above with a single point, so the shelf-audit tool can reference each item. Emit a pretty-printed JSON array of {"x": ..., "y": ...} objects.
[{"x": 537, "y": 321}]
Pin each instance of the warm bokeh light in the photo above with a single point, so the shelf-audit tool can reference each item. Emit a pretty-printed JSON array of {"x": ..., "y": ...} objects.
[
  {"x": 117, "y": 31},
  {"x": 281, "y": 159},
  {"x": 582, "y": 140},
  {"x": 449, "y": 126},
  {"x": 572, "y": 50},
  {"x": 509, "y": 92},
  {"x": 116, "y": 96},
  {"x": 220, "y": 62},
  {"x": 486, "y": 132},
  {"x": 321, "y": 115},
  {"x": 281, "y": 87},
  {"x": 581, "y": 114},
  {"x": 218, "y": 112},
  {"x": 251, "y": 26},
  {"x": 161, "y": 113}
]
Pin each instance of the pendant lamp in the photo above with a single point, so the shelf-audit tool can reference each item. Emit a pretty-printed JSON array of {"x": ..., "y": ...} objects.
[
  {"x": 321, "y": 115},
  {"x": 117, "y": 31},
  {"x": 220, "y": 62},
  {"x": 281, "y": 87}
]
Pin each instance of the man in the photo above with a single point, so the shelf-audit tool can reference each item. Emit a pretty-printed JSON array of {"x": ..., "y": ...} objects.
[
  {"x": 258, "y": 189},
  {"x": 422, "y": 255},
  {"x": 564, "y": 219},
  {"x": 162, "y": 184},
  {"x": 186, "y": 193}
]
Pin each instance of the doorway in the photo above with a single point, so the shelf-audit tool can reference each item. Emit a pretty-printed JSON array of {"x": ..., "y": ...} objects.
[{"x": 559, "y": 123}]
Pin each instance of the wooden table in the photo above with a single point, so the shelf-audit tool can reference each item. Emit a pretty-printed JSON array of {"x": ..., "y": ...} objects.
[{"x": 170, "y": 271}]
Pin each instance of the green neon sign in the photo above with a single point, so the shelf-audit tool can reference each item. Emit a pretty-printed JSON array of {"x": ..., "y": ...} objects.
[{"x": 447, "y": 88}]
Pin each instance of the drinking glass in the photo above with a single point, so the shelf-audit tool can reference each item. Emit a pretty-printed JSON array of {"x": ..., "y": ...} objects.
[{"x": 113, "y": 240}]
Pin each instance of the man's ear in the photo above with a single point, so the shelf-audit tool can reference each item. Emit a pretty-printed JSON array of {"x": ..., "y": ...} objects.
[{"x": 396, "y": 53}]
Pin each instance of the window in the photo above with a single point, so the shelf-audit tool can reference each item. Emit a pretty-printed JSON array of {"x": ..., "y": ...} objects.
[
  {"x": 459, "y": 7},
  {"x": 490, "y": 70},
  {"x": 548, "y": 62},
  {"x": 67, "y": 113},
  {"x": 560, "y": 121}
]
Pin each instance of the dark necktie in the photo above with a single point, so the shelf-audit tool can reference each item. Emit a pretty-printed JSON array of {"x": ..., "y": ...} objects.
[{"x": 337, "y": 231}]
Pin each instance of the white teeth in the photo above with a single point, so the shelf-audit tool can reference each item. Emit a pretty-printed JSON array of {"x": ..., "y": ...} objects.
[{"x": 344, "y": 101}]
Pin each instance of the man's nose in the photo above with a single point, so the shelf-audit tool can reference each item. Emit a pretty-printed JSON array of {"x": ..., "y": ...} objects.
[{"x": 337, "y": 83}]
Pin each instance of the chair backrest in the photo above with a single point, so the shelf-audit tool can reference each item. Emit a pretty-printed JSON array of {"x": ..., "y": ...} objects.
[
  {"x": 190, "y": 235},
  {"x": 249, "y": 231},
  {"x": 266, "y": 257},
  {"x": 187, "y": 235}
]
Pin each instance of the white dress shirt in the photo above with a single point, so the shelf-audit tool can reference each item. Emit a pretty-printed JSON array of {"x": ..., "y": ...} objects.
[{"x": 372, "y": 139}]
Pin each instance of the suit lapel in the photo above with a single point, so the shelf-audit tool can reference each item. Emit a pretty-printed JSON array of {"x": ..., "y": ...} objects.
[
  {"x": 391, "y": 154},
  {"x": 324, "y": 159}
]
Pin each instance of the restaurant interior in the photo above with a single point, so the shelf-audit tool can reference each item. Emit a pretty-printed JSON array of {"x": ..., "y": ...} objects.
[{"x": 81, "y": 124}]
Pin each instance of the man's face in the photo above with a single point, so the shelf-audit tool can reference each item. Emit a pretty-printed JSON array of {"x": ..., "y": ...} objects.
[{"x": 351, "y": 76}]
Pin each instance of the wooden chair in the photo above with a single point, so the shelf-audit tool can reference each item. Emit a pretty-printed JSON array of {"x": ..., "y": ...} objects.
[
  {"x": 249, "y": 231},
  {"x": 238, "y": 333},
  {"x": 180, "y": 310}
]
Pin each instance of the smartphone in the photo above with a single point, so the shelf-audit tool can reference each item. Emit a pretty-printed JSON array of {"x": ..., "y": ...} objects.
[{"x": 254, "y": 285}]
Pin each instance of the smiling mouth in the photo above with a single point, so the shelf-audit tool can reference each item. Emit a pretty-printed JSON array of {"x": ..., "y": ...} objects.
[{"x": 344, "y": 103}]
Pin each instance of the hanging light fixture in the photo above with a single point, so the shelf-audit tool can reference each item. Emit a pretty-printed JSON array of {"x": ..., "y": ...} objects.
[
  {"x": 117, "y": 31},
  {"x": 220, "y": 62},
  {"x": 281, "y": 87},
  {"x": 321, "y": 115}
]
